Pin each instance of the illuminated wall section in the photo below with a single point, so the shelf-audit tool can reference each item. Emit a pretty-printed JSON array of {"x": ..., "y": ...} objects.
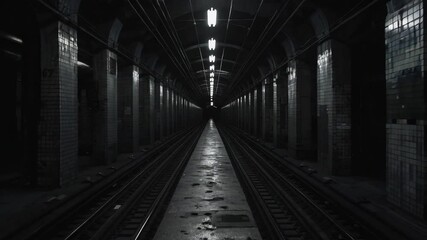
[
  {"x": 406, "y": 114},
  {"x": 334, "y": 108}
]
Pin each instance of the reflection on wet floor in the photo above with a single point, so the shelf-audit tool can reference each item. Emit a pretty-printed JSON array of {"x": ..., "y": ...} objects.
[{"x": 209, "y": 202}]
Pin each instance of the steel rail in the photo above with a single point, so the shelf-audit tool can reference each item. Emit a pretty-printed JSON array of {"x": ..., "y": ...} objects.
[
  {"x": 125, "y": 187},
  {"x": 164, "y": 191},
  {"x": 268, "y": 169}
]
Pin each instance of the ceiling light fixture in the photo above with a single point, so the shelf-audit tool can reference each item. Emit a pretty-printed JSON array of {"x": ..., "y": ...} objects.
[
  {"x": 211, "y": 17},
  {"x": 212, "y": 43}
]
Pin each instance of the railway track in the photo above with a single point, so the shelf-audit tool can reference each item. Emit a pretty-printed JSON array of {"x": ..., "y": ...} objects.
[
  {"x": 286, "y": 206},
  {"x": 128, "y": 208}
]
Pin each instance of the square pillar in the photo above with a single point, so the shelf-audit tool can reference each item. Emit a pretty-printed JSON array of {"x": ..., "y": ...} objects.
[
  {"x": 268, "y": 105},
  {"x": 147, "y": 110},
  {"x": 300, "y": 132},
  {"x": 128, "y": 108},
  {"x": 105, "y": 73},
  {"x": 58, "y": 127},
  {"x": 166, "y": 111},
  {"x": 282, "y": 89},
  {"x": 250, "y": 113},
  {"x": 174, "y": 112},
  {"x": 334, "y": 108},
  {"x": 157, "y": 110},
  {"x": 255, "y": 113},
  {"x": 263, "y": 110}
]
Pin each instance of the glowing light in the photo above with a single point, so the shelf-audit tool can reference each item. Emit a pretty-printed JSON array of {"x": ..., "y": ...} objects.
[
  {"x": 212, "y": 44},
  {"x": 212, "y": 68},
  {"x": 212, "y": 74},
  {"x": 82, "y": 64},
  {"x": 211, "y": 79},
  {"x": 211, "y": 17},
  {"x": 212, "y": 58}
]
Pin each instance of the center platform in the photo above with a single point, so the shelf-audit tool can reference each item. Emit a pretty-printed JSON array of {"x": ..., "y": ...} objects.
[{"x": 208, "y": 202}]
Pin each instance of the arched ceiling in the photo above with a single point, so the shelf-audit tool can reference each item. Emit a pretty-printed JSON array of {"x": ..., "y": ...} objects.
[{"x": 253, "y": 36}]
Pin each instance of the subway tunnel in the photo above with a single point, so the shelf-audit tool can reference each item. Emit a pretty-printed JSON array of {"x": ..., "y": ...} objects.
[{"x": 213, "y": 119}]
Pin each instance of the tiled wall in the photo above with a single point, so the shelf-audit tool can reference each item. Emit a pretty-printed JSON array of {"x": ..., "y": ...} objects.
[
  {"x": 147, "y": 110},
  {"x": 128, "y": 109},
  {"x": 300, "y": 132},
  {"x": 269, "y": 121},
  {"x": 105, "y": 73},
  {"x": 157, "y": 110},
  {"x": 334, "y": 108},
  {"x": 405, "y": 86},
  {"x": 58, "y": 127},
  {"x": 166, "y": 110},
  {"x": 250, "y": 112},
  {"x": 172, "y": 111},
  {"x": 292, "y": 107},
  {"x": 255, "y": 113},
  {"x": 275, "y": 119},
  {"x": 246, "y": 111},
  {"x": 263, "y": 112},
  {"x": 282, "y": 116}
]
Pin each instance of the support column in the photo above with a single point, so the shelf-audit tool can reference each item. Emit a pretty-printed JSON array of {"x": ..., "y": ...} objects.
[
  {"x": 157, "y": 110},
  {"x": 300, "y": 142},
  {"x": 250, "y": 113},
  {"x": 174, "y": 109},
  {"x": 275, "y": 119},
  {"x": 58, "y": 126},
  {"x": 263, "y": 110},
  {"x": 166, "y": 111},
  {"x": 269, "y": 118},
  {"x": 147, "y": 110},
  {"x": 283, "y": 110},
  {"x": 171, "y": 112},
  {"x": 128, "y": 107},
  {"x": 178, "y": 112},
  {"x": 406, "y": 170},
  {"x": 334, "y": 108},
  {"x": 105, "y": 73},
  {"x": 255, "y": 113}
]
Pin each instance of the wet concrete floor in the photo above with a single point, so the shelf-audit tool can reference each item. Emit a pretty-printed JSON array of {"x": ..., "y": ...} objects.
[{"x": 208, "y": 203}]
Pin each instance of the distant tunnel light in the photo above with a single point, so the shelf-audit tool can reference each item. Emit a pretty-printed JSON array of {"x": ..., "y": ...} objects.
[
  {"x": 211, "y": 103},
  {"x": 212, "y": 17},
  {"x": 212, "y": 68},
  {"x": 212, "y": 58},
  {"x": 212, "y": 43}
]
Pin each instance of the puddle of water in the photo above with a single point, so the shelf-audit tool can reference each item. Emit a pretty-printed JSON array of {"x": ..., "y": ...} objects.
[
  {"x": 213, "y": 199},
  {"x": 205, "y": 167}
]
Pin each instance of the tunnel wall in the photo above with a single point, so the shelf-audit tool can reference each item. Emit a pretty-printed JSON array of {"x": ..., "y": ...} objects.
[
  {"x": 327, "y": 128},
  {"x": 406, "y": 107}
]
